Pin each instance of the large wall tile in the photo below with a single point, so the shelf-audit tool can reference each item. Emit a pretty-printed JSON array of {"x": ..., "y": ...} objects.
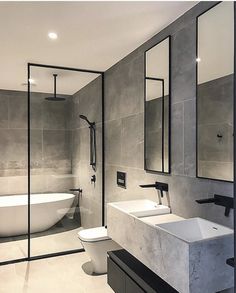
[
  {"x": 4, "y": 100},
  {"x": 13, "y": 150},
  {"x": 57, "y": 149},
  {"x": 113, "y": 142},
  {"x": 132, "y": 141},
  {"x": 177, "y": 139},
  {"x": 56, "y": 114},
  {"x": 18, "y": 185},
  {"x": 123, "y": 94},
  {"x": 84, "y": 146},
  {"x": 36, "y": 110},
  {"x": 90, "y": 102},
  {"x": 190, "y": 138},
  {"x": 36, "y": 148},
  {"x": 17, "y": 110},
  {"x": 183, "y": 64}
]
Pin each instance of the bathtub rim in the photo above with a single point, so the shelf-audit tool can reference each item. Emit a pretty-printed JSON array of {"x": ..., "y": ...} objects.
[{"x": 10, "y": 199}]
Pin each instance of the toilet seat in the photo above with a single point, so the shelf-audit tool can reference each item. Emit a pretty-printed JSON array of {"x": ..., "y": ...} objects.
[{"x": 93, "y": 234}]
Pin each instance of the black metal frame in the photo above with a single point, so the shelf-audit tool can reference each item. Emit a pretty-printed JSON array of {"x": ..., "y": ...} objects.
[
  {"x": 29, "y": 257},
  {"x": 163, "y": 106},
  {"x": 234, "y": 107},
  {"x": 201, "y": 177}
]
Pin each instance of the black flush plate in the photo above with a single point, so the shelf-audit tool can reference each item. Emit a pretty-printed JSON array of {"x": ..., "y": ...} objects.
[{"x": 121, "y": 179}]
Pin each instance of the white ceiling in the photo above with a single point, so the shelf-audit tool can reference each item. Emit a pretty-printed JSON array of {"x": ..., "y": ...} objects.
[{"x": 93, "y": 35}]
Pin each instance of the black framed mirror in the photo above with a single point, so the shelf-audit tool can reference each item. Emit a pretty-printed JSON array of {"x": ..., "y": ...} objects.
[
  {"x": 215, "y": 92},
  {"x": 157, "y": 108}
]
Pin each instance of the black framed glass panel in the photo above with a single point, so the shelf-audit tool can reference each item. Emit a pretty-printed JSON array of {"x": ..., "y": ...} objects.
[
  {"x": 215, "y": 92},
  {"x": 65, "y": 152},
  {"x": 157, "y": 108}
]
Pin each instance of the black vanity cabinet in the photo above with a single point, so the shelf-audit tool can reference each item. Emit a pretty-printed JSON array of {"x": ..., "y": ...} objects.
[{"x": 125, "y": 274}]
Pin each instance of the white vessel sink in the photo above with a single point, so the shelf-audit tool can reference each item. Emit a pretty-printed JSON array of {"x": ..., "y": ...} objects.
[
  {"x": 141, "y": 207},
  {"x": 195, "y": 229}
]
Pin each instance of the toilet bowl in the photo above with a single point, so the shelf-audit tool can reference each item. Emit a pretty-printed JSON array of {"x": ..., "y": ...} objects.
[{"x": 96, "y": 243}]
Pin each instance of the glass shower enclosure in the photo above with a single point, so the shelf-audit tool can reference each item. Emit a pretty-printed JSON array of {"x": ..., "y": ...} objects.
[{"x": 54, "y": 162}]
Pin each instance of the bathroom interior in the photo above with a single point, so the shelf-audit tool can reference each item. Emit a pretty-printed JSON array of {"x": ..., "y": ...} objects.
[{"x": 117, "y": 171}]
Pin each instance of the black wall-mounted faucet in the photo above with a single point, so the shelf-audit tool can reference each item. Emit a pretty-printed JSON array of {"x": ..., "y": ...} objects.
[
  {"x": 158, "y": 186},
  {"x": 220, "y": 200}
]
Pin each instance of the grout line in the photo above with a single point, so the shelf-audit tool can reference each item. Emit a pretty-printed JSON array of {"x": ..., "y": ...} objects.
[
  {"x": 183, "y": 141},
  {"x": 131, "y": 115},
  {"x": 193, "y": 99}
]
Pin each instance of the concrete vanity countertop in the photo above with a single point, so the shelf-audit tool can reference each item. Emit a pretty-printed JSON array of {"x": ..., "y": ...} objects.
[{"x": 190, "y": 265}]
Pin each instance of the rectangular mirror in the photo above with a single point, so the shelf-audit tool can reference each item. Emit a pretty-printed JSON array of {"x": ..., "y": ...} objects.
[
  {"x": 215, "y": 92},
  {"x": 157, "y": 108}
]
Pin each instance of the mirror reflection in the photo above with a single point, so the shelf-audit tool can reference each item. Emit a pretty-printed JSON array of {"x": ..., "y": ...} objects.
[
  {"x": 215, "y": 90},
  {"x": 157, "y": 105}
]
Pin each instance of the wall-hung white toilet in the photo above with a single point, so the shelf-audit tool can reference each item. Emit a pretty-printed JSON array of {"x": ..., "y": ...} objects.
[{"x": 96, "y": 243}]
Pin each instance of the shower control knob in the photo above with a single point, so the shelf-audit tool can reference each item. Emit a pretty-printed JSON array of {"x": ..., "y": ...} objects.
[{"x": 93, "y": 179}]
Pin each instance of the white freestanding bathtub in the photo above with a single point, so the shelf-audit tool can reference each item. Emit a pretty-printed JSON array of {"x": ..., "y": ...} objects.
[{"x": 45, "y": 210}]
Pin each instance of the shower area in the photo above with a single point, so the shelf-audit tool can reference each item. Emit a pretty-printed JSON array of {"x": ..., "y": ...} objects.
[{"x": 52, "y": 162}]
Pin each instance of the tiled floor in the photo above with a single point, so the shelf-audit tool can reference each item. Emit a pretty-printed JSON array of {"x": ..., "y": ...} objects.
[
  {"x": 57, "y": 242},
  {"x": 58, "y": 274}
]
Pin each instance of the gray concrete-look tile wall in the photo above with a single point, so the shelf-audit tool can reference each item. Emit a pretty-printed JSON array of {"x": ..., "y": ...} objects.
[
  {"x": 124, "y": 94},
  {"x": 50, "y": 143},
  {"x": 124, "y": 127},
  {"x": 88, "y": 102}
]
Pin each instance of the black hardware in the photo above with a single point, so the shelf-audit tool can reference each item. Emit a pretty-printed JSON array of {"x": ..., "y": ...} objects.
[
  {"x": 230, "y": 262},
  {"x": 206, "y": 200},
  {"x": 76, "y": 190},
  {"x": 121, "y": 179},
  {"x": 92, "y": 130},
  {"x": 219, "y": 135},
  {"x": 55, "y": 98},
  {"x": 220, "y": 200},
  {"x": 158, "y": 185},
  {"x": 93, "y": 178}
]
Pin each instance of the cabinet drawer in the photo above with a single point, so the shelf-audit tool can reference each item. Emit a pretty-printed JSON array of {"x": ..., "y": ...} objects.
[
  {"x": 115, "y": 277},
  {"x": 132, "y": 287}
]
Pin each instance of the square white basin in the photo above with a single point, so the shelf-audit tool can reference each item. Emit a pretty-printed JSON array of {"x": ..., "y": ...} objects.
[
  {"x": 141, "y": 207},
  {"x": 195, "y": 229}
]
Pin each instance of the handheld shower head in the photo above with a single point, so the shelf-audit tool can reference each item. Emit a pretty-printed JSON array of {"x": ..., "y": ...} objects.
[{"x": 86, "y": 119}]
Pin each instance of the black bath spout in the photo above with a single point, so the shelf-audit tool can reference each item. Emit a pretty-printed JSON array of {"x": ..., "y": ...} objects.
[
  {"x": 158, "y": 186},
  {"x": 220, "y": 200},
  {"x": 76, "y": 190},
  {"x": 207, "y": 200}
]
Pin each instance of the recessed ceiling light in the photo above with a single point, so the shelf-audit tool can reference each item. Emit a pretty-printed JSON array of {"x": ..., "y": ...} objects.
[
  {"x": 31, "y": 81},
  {"x": 52, "y": 36},
  {"x": 198, "y": 59}
]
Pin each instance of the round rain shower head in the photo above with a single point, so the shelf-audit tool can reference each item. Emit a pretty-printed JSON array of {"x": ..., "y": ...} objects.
[{"x": 55, "y": 98}]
